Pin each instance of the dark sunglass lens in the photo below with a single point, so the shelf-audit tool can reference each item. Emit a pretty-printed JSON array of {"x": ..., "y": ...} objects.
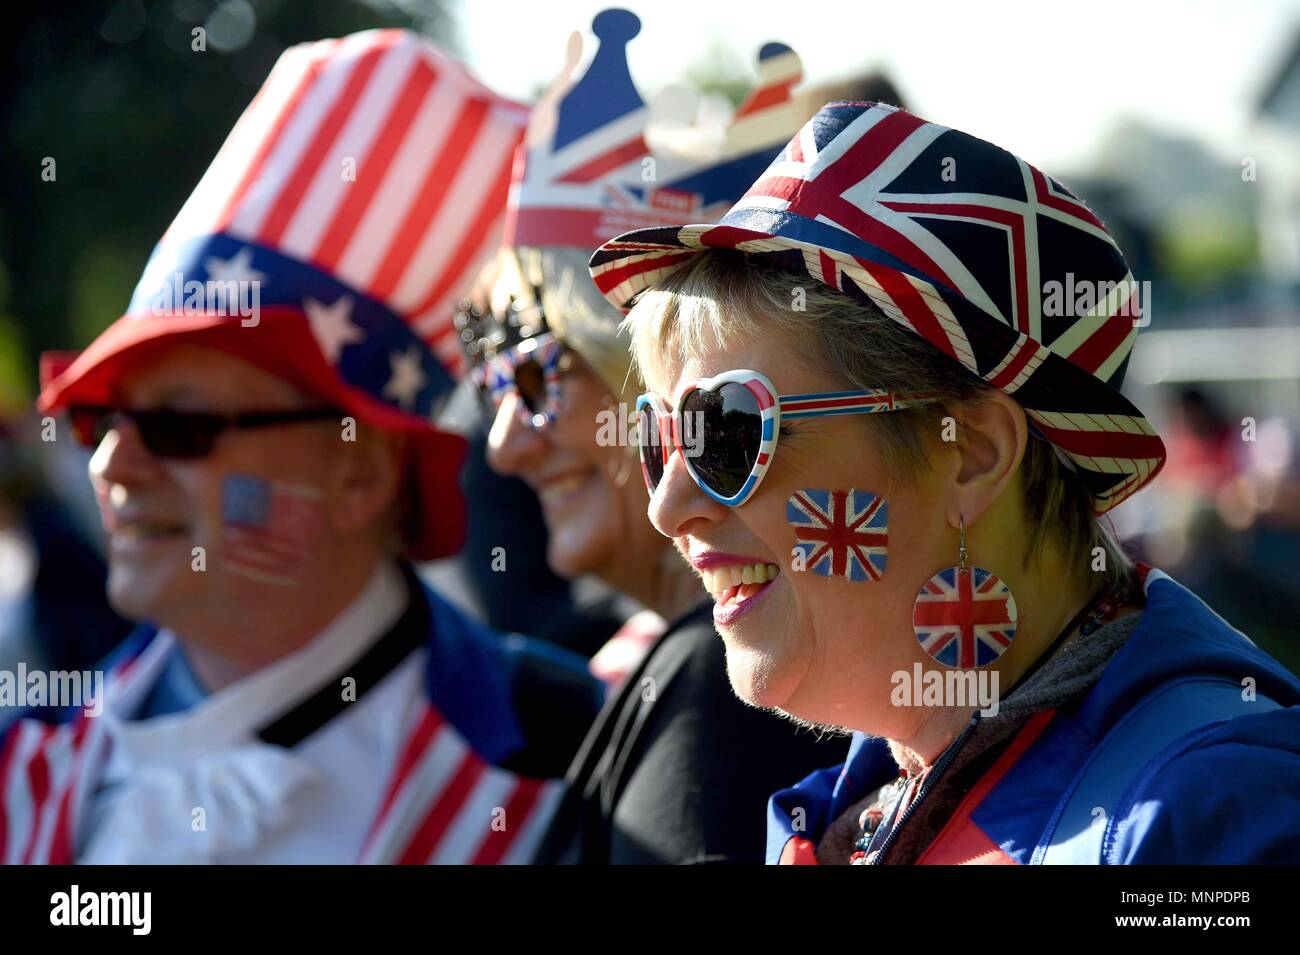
[
  {"x": 652, "y": 451},
  {"x": 89, "y": 425},
  {"x": 176, "y": 434},
  {"x": 721, "y": 434},
  {"x": 530, "y": 381}
]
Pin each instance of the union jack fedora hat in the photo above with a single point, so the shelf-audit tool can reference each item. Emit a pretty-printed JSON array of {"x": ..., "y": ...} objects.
[
  {"x": 961, "y": 243},
  {"x": 356, "y": 195}
]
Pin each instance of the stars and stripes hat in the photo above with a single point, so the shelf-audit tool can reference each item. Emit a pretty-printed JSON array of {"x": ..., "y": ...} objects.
[
  {"x": 586, "y": 171},
  {"x": 351, "y": 204},
  {"x": 994, "y": 263}
]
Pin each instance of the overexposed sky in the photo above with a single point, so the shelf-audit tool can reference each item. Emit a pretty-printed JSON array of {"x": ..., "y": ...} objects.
[{"x": 1043, "y": 79}]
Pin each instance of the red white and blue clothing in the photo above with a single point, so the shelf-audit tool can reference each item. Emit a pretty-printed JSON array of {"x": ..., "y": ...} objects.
[
  {"x": 1188, "y": 736},
  {"x": 403, "y": 732}
]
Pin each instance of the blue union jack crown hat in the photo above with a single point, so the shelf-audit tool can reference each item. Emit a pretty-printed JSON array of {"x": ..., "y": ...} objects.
[
  {"x": 961, "y": 243},
  {"x": 598, "y": 160},
  {"x": 587, "y": 171}
]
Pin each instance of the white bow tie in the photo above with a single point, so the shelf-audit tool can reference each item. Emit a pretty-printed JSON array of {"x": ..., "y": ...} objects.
[{"x": 210, "y": 810}]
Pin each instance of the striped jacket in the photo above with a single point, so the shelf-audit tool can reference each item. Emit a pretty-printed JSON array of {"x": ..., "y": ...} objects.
[{"x": 498, "y": 723}]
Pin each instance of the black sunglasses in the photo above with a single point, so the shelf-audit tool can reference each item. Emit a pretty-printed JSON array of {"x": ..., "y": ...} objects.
[{"x": 181, "y": 434}]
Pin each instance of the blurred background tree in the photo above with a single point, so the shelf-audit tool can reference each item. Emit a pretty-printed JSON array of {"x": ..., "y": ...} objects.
[
  {"x": 722, "y": 71},
  {"x": 113, "y": 99}
]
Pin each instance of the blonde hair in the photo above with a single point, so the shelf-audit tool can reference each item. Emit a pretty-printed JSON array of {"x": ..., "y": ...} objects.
[
  {"x": 723, "y": 296},
  {"x": 576, "y": 312}
]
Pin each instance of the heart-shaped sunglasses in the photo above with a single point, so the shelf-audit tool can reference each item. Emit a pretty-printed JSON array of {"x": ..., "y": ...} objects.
[{"x": 726, "y": 428}]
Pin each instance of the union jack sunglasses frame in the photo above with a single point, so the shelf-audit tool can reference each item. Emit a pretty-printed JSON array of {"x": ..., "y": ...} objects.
[
  {"x": 773, "y": 409},
  {"x": 496, "y": 376}
]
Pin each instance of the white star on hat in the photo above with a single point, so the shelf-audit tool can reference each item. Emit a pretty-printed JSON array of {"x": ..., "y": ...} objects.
[
  {"x": 236, "y": 269},
  {"x": 332, "y": 326},
  {"x": 407, "y": 378}
]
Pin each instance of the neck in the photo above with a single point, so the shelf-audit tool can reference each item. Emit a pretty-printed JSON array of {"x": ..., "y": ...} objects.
[
  {"x": 1047, "y": 599},
  {"x": 224, "y": 651}
]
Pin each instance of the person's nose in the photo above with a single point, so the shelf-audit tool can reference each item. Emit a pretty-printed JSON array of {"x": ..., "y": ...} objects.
[
  {"x": 678, "y": 506},
  {"x": 122, "y": 458},
  {"x": 513, "y": 445}
]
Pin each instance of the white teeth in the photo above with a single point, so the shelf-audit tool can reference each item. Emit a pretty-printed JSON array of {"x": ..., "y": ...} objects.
[
  {"x": 559, "y": 488},
  {"x": 719, "y": 580}
]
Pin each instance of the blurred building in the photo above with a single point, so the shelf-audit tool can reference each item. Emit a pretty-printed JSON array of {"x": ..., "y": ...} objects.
[{"x": 1278, "y": 122}]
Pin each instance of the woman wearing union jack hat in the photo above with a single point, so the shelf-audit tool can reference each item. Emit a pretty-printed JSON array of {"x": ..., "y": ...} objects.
[
  {"x": 892, "y": 402},
  {"x": 674, "y": 753}
]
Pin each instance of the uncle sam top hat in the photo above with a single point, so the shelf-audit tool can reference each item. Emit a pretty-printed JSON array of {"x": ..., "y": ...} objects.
[
  {"x": 355, "y": 197},
  {"x": 961, "y": 243}
]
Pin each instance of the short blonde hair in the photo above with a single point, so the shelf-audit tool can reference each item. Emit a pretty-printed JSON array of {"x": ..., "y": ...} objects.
[{"x": 722, "y": 296}]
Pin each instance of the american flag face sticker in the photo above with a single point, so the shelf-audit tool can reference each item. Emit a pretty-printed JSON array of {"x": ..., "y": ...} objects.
[
  {"x": 964, "y": 617},
  {"x": 269, "y": 528},
  {"x": 840, "y": 533}
]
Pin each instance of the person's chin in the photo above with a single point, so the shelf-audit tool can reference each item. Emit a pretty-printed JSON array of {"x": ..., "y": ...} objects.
[
  {"x": 572, "y": 552},
  {"x": 759, "y": 677},
  {"x": 139, "y": 596},
  {"x": 141, "y": 584},
  {"x": 762, "y": 662}
]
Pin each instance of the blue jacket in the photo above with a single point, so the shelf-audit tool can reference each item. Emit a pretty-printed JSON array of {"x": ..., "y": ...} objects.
[{"x": 1186, "y": 750}]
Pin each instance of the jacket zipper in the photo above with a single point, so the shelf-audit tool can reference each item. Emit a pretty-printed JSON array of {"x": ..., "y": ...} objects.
[{"x": 936, "y": 774}]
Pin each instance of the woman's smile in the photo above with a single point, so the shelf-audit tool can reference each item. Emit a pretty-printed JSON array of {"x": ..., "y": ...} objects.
[
  {"x": 734, "y": 582},
  {"x": 557, "y": 492}
]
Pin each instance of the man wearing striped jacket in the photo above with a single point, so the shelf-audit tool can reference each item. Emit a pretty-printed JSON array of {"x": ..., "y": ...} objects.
[{"x": 267, "y": 470}]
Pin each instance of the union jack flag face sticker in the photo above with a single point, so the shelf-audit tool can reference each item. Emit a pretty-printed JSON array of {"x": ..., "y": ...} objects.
[
  {"x": 964, "y": 617},
  {"x": 840, "y": 533}
]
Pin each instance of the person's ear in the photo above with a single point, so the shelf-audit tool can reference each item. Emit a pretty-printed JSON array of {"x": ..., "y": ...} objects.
[
  {"x": 989, "y": 442},
  {"x": 365, "y": 480}
]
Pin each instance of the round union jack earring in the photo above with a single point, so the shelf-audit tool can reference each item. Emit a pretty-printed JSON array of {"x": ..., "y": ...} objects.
[{"x": 964, "y": 616}]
